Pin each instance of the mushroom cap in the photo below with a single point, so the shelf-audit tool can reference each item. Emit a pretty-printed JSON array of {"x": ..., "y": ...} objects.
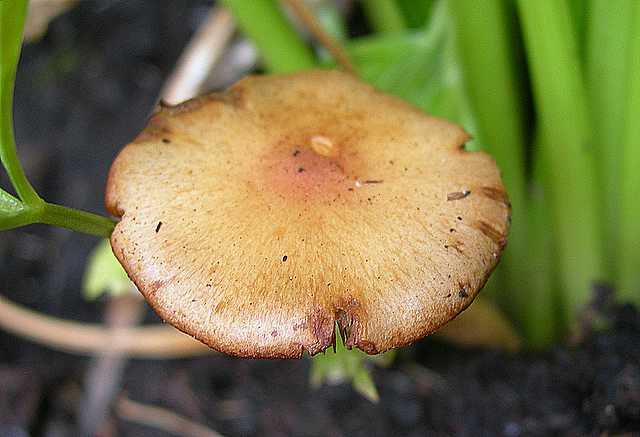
[{"x": 259, "y": 218}]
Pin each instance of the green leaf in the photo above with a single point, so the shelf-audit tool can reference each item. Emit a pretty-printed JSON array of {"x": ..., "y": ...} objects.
[
  {"x": 280, "y": 46},
  {"x": 629, "y": 240},
  {"x": 104, "y": 274},
  {"x": 384, "y": 15},
  {"x": 416, "y": 13},
  {"x": 348, "y": 366},
  {"x": 565, "y": 151},
  {"x": 420, "y": 67},
  {"x": 609, "y": 74}
]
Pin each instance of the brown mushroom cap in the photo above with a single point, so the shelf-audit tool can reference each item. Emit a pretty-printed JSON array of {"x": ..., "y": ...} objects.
[{"x": 257, "y": 219}]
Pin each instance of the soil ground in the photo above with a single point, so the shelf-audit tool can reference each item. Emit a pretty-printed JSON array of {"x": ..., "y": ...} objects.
[{"x": 84, "y": 91}]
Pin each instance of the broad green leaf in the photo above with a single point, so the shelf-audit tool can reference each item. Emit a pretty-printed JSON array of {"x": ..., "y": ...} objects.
[
  {"x": 104, "y": 274},
  {"x": 419, "y": 66},
  {"x": 416, "y": 13}
]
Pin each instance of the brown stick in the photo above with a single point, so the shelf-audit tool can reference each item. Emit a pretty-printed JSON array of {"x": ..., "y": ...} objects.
[
  {"x": 310, "y": 22},
  {"x": 161, "y": 418},
  {"x": 104, "y": 375},
  {"x": 156, "y": 342},
  {"x": 202, "y": 53}
]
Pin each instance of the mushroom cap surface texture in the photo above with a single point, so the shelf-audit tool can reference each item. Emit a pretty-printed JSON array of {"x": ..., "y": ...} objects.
[{"x": 260, "y": 218}]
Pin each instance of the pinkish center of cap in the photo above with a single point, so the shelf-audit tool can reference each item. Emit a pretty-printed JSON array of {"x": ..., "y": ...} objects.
[{"x": 314, "y": 167}]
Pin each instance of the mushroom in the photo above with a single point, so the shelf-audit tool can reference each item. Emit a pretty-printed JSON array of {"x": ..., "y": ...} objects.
[{"x": 258, "y": 219}]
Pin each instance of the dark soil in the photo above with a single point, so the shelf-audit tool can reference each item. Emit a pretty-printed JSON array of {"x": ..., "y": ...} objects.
[{"x": 83, "y": 92}]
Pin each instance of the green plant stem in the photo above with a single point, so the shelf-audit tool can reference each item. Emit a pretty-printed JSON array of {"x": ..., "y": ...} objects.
[
  {"x": 79, "y": 221},
  {"x": 580, "y": 13},
  {"x": 332, "y": 21},
  {"x": 610, "y": 32},
  {"x": 542, "y": 321},
  {"x": 629, "y": 236},
  {"x": 280, "y": 46},
  {"x": 562, "y": 120},
  {"x": 12, "y": 16},
  {"x": 384, "y": 15},
  {"x": 416, "y": 13},
  {"x": 484, "y": 35}
]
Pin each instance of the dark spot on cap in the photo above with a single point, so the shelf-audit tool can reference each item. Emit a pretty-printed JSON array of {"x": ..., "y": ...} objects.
[
  {"x": 300, "y": 169},
  {"x": 491, "y": 232},
  {"x": 284, "y": 258},
  {"x": 458, "y": 195},
  {"x": 158, "y": 226},
  {"x": 166, "y": 140},
  {"x": 462, "y": 293},
  {"x": 497, "y": 194},
  {"x": 296, "y": 152}
]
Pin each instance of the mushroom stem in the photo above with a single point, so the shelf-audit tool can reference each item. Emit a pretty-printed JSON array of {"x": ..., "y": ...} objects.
[{"x": 157, "y": 342}]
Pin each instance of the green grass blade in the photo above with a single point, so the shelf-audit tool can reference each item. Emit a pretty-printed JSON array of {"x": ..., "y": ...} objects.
[
  {"x": 580, "y": 14},
  {"x": 12, "y": 16},
  {"x": 569, "y": 169},
  {"x": 384, "y": 15},
  {"x": 629, "y": 242},
  {"x": 280, "y": 46},
  {"x": 610, "y": 32},
  {"x": 485, "y": 35},
  {"x": 416, "y": 13},
  {"x": 542, "y": 323}
]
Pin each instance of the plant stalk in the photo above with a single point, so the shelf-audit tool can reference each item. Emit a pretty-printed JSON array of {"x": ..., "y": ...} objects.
[
  {"x": 385, "y": 16},
  {"x": 12, "y": 16},
  {"x": 629, "y": 236},
  {"x": 608, "y": 75},
  {"x": 280, "y": 45},
  {"x": 76, "y": 220},
  {"x": 484, "y": 35},
  {"x": 565, "y": 138}
]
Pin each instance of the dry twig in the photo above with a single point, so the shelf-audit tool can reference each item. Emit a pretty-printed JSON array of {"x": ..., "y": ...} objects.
[
  {"x": 310, "y": 22},
  {"x": 161, "y": 418},
  {"x": 201, "y": 55},
  {"x": 159, "y": 342}
]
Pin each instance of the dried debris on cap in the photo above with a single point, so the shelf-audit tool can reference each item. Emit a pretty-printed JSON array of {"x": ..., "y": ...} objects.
[{"x": 258, "y": 219}]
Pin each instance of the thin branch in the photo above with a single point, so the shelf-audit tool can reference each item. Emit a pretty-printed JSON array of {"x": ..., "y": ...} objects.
[
  {"x": 156, "y": 342},
  {"x": 103, "y": 379},
  {"x": 160, "y": 418},
  {"x": 203, "y": 52},
  {"x": 311, "y": 23}
]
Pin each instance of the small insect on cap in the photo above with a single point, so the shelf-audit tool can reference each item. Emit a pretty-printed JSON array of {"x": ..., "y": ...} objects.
[{"x": 258, "y": 219}]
